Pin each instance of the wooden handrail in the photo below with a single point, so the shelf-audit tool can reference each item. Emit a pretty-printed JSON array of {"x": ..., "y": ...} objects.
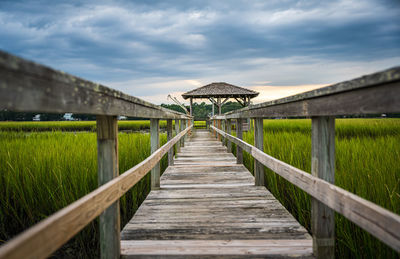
[
  {"x": 371, "y": 94},
  {"x": 44, "y": 238},
  {"x": 26, "y": 86},
  {"x": 379, "y": 222}
]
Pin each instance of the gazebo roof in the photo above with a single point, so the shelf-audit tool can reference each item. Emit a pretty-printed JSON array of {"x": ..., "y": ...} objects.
[{"x": 220, "y": 89}]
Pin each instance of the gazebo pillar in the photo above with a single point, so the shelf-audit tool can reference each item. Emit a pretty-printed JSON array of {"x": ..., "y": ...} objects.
[{"x": 212, "y": 104}]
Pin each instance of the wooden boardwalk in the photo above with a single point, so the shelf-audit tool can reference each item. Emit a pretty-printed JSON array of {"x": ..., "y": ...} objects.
[{"x": 208, "y": 206}]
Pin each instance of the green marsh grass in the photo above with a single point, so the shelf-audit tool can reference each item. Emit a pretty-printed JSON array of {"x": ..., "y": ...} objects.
[
  {"x": 367, "y": 164},
  {"x": 40, "y": 173},
  {"x": 139, "y": 125}
]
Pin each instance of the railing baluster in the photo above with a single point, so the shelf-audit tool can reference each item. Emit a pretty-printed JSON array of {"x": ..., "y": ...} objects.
[
  {"x": 177, "y": 146},
  {"x": 169, "y": 137},
  {"x": 223, "y": 127},
  {"x": 219, "y": 127},
  {"x": 215, "y": 125},
  {"x": 228, "y": 130},
  {"x": 323, "y": 166},
  {"x": 239, "y": 135},
  {"x": 182, "y": 141},
  {"x": 155, "y": 144},
  {"x": 107, "y": 157},
  {"x": 259, "y": 143}
]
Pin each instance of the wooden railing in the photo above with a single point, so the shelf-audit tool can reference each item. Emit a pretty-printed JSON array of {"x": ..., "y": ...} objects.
[
  {"x": 372, "y": 94},
  {"x": 29, "y": 87}
]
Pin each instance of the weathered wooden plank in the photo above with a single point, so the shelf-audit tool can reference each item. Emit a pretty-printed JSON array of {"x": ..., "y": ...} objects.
[
  {"x": 323, "y": 167},
  {"x": 259, "y": 143},
  {"x": 48, "y": 235},
  {"x": 208, "y": 202},
  {"x": 379, "y": 222},
  {"x": 371, "y": 94},
  {"x": 31, "y": 87},
  {"x": 247, "y": 248},
  {"x": 107, "y": 160},
  {"x": 169, "y": 137}
]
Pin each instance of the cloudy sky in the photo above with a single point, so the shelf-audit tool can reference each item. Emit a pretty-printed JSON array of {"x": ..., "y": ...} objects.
[{"x": 152, "y": 48}]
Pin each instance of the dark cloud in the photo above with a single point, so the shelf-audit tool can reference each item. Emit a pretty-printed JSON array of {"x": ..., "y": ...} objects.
[{"x": 139, "y": 40}]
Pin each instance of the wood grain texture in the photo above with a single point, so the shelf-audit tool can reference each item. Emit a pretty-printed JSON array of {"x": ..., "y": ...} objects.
[
  {"x": 169, "y": 137},
  {"x": 239, "y": 134},
  {"x": 212, "y": 210},
  {"x": 259, "y": 173},
  {"x": 30, "y": 87},
  {"x": 182, "y": 141},
  {"x": 217, "y": 248},
  {"x": 323, "y": 167},
  {"x": 107, "y": 161},
  {"x": 381, "y": 223},
  {"x": 371, "y": 94},
  {"x": 44, "y": 238},
  {"x": 177, "y": 130},
  {"x": 155, "y": 144},
  {"x": 229, "y": 131}
]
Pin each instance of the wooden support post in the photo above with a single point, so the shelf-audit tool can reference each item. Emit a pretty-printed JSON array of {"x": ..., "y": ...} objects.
[
  {"x": 323, "y": 166},
  {"x": 259, "y": 143},
  {"x": 213, "y": 109},
  {"x": 215, "y": 125},
  {"x": 223, "y": 129},
  {"x": 239, "y": 135},
  {"x": 219, "y": 127},
  {"x": 182, "y": 141},
  {"x": 177, "y": 145},
  {"x": 107, "y": 157},
  {"x": 229, "y": 131},
  {"x": 169, "y": 137},
  {"x": 155, "y": 144},
  {"x": 187, "y": 124}
]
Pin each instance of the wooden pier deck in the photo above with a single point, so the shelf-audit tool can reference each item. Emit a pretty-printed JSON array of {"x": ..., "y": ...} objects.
[{"x": 209, "y": 207}]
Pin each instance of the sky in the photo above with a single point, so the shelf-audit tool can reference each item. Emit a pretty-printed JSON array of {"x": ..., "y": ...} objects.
[{"x": 150, "y": 49}]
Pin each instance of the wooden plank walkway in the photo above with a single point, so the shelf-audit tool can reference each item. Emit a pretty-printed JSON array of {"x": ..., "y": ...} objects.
[{"x": 207, "y": 207}]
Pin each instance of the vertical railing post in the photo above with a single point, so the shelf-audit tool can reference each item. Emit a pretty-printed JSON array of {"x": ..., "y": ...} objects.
[
  {"x": 223, "y": 129},
  {"x": 215, "y": 125},
  {"x": 107, "y": 157},
  {"x": 182, "y": 141},
  {"x": 228, "y": 130},
  {"x": 177, "y": 145},
  {"x": 219, "y": 127},
  {"x": 169, "y": 137},
  {"x": 155, "y": 144},
  {"x": 259, "y": 143},
  {"x": 323, "y": 166},
  {"x": 239, "y": 135}
]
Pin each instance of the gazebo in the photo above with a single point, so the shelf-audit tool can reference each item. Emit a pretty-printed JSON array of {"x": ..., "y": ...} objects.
[{"x": 216, "y": 92}]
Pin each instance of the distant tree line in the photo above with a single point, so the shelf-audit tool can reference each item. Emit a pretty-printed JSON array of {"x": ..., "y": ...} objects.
[{"x": 203, "y": 110}]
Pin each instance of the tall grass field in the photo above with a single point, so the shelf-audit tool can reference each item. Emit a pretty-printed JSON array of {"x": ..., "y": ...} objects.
[
  {"x": 367, "y": 164},
  {"x": 139, "y": 125},
  {"x": 42, "y": 172}
]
